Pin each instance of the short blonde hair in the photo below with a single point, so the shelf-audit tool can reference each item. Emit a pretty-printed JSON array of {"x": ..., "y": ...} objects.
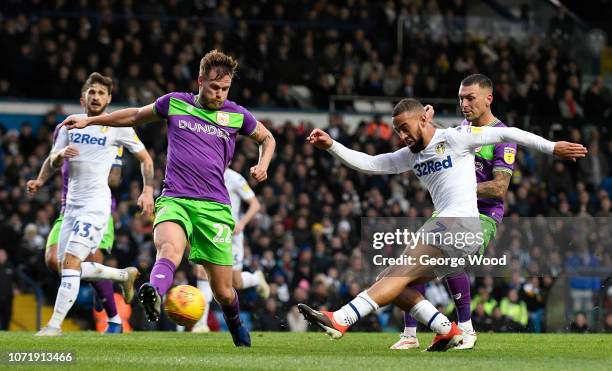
[{"x": 224, "y": 64}]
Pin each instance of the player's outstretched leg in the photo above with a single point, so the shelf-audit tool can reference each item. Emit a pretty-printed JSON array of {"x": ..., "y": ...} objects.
[
  {"x": 91, "y": 271},
  {"x": 408, "y": 338},
  {"x": 325, "y": 320},
  {"x": 459, "y": 287},
  {"x": 393, "y": 287},
  {"x": 66, "y": 295}
]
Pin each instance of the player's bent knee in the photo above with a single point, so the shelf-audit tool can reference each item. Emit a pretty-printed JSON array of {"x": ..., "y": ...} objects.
[
  {"x": 170, "y": 251},
  {"x": 224, "y": 296},
  {"x": 96, "y": 257},
  {"x": 71, "y": 262}
]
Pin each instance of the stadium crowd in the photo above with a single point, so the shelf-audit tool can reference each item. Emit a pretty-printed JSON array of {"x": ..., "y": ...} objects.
[{"x": 306, "y": 237}]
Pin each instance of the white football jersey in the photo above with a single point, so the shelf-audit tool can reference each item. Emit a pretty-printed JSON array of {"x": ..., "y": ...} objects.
[
  {"x": 88, "y": 172},
  {"x": 446, "y": 166},
  {"x": 238, "y": 189}
]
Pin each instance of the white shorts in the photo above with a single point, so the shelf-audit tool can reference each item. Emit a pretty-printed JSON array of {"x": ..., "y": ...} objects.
[
  {"x": 238, "y": 251},
  {"x": 82, "y": 231},
  {"x": 447, "y": 234}
]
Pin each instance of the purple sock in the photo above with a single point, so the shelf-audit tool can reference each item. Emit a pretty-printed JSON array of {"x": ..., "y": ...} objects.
[
  {"x": 162, "y": 275},
  {"x": 231, "y": 313},
  {"x": 105, "y": 292},
  {"x": 459, "y": 287},
  {"x": 409, "y": 321}
]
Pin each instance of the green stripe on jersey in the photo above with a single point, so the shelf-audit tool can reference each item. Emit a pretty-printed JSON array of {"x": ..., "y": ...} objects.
[
  {"x": 486, "y": 152},
  {"x": 229, "y": 119}
]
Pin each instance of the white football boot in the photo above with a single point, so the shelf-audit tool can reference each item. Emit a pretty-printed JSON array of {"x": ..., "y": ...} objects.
[
  {"x": 406, "y": 342},
  {"x": 49, "y": 331},
  {"x": 469, "y": 340}
]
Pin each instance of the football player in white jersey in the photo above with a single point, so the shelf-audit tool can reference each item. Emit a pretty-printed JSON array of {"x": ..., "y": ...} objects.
[
  {"x": 443, "y": 160},
  {"x": 103, "y": 288},
  {"x": 90, "y": 153},
  {"x": 239, "y": 191}
]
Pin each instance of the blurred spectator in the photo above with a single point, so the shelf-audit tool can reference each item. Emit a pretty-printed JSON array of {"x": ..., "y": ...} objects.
[
  {"x": 501, "y": 323},
  {"x": 7, "y": 280},
  {"x": 579, "y": 324},
  {"x": 597, "y": 100},
  {"x": 480, "y": 320},
  {"x": 270, "y": 318},
  {"x": 296, "y": 321},
  {"x": 594, "y": 167},
  {"x": 570, "y": 108},
  {"x": 534, "y": 299},
  {"x": 484, "y": 299},
  {"x": 582, "y": 286},
  {"x": 514, "y": 308}
]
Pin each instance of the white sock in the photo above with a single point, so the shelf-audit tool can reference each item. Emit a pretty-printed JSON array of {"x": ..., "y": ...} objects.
[
  {"x": 204, "y": 287},
  {"x": 95, "y": 272},
  {"x": 466, "y": 326},
  {"x": 249, "y": 280},
  {"x": 410, "y": 331},
  {"x": 115, "y": 319},
  {"x": 428, "y": 315},
  {"x": 66, "y": 295},
  {"x": 357, "y": 308}
]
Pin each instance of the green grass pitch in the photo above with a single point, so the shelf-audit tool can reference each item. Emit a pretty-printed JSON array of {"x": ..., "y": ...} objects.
[{"x": 313, "y": 350}]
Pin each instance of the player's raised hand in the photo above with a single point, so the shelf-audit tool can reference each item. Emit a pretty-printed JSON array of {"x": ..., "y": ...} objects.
[
  {"x": 259, "y": 173},
  {"x": 145, "y": 202},
  {"x": 75, "y": 122},
  {"x": 69, "y": 151},
  {"x": 33, "y": 186},
  {"x": 569, "y": 151},
  {"x": 320, "y": 139}
]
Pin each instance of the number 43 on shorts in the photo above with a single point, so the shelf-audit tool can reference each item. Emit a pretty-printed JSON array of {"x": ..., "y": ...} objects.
[
  {"x": 83, "y": 227},
  {"x": 221, "y": 230}
]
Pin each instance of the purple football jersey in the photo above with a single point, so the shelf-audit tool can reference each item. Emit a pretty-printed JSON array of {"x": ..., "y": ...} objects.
[
  {"x": 201, "y": 144},
  {"x": 489, "y": 159}
]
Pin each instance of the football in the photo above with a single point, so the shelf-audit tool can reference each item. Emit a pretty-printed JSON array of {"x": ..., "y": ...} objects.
[{"x": 184, "y": 305}]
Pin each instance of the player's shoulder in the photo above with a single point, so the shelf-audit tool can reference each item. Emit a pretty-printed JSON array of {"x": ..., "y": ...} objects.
[
  {"x": 184, "y": 96},
  {"x": 499, "y": 124},
  {"x": 457, "y": 136},
  {"x": 503, "y": 146},
  {"x": 452, "y": 132}
]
